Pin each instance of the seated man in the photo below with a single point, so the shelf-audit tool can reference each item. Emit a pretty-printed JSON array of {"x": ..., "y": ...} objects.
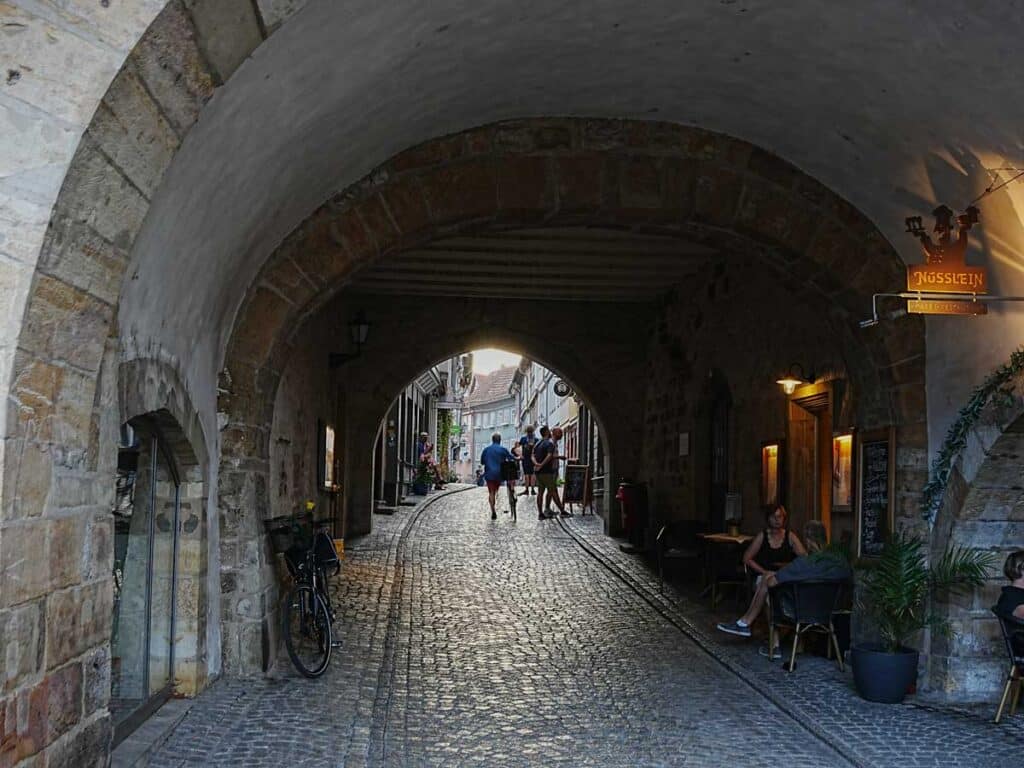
[{"x": 814, "y": 566}]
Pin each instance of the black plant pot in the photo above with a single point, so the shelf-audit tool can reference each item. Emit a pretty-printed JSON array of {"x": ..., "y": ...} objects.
[
  {"x": 882, "y": 676},
  {"x": 420, "y": 489}
]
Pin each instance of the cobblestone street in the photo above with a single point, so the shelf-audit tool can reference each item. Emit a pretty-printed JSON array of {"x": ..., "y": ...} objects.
[{"x": 472, "y": 642}]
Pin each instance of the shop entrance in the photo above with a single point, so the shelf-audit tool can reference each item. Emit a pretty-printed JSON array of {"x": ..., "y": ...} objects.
[
  {"x": 145, "y": 561},
  {"x": 809, "y": 438}
]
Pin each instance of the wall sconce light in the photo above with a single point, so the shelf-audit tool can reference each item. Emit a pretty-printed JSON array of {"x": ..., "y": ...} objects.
[
  {"x": 792, "y": 380},
  {"x": 358, "y": 330}
]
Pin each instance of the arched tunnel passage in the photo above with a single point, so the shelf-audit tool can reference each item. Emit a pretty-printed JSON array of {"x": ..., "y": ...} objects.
[
  {"x": 439, "y": 424},
  {"x": 106, "y": 276},
  {"x": 404, "y": 342},
  {"x": 650, "y": 352}
]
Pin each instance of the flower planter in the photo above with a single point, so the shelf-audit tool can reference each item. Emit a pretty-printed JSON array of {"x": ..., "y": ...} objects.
[
  {"x": 420, "y": 489},
  {"x": 882, "y": 676}
]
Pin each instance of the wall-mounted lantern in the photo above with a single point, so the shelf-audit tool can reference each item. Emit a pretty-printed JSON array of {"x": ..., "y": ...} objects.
[
  {"x": 358, "y": 330},
  {"x": 791, "y": 380}
]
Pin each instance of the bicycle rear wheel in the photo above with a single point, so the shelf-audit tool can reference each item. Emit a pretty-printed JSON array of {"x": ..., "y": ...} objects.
[{"x": 307, "y": 631}]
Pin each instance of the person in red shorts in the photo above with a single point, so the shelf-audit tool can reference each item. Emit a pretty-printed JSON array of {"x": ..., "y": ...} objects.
[{"x": 492, "y": 458}]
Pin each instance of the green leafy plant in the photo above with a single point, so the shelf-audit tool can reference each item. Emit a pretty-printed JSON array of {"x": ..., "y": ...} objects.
[
  {"x": 897, "y": 591},
  {"x": 423, "y": 474},
  {"x": 996, "y": 388},
  {"x": 444, "y": 434}
]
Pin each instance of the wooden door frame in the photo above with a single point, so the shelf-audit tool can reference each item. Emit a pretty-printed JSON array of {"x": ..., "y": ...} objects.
[{"x": 818, "y": 400}]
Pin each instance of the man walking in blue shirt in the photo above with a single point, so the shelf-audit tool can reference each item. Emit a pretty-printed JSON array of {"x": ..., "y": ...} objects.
[{"x": 492, "y": 458}]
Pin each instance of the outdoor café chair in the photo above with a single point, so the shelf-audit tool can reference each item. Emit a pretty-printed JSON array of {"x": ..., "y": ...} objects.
[
  {"x": 1013, "y": 635},
  {"x": 678, "y": 542},
  {"x": 805, "y": 606},
  {"x": 728, "y": 570}
]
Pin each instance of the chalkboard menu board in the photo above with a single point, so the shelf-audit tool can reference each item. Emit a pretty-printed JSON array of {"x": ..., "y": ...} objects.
[
  {"x": 577, "y": 484},
  {"x": 874, "y": 508}
]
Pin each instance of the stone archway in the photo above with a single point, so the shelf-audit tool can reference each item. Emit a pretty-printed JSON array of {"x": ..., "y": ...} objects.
[
  {"x": 981, "y": 507},
  {"x": 152, "y": 390},
  {"x": 656, "y": 178},
  {"x": 367, "y": 386}
]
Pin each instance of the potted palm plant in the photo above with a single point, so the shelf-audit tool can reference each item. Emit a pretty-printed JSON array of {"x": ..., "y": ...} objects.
[{"x": 896, "y": 595}]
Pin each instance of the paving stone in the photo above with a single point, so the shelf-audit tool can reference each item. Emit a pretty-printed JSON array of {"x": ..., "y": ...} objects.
[{"x": 472, "y": 642}]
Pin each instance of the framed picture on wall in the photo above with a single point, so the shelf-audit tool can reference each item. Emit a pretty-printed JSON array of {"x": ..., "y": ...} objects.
[
  {"x": 842, "y": 472},
  {"x": 326, "y": 457},
  {"x": 876, "y": 478},
  {"x": 771, "y": 473}
]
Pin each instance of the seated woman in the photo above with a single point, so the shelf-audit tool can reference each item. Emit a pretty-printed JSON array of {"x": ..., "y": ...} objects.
[
  {"x": 1011, "y": 599},
  {"x": 814, "y": 566},
  {"x": 773, "y": 548}
]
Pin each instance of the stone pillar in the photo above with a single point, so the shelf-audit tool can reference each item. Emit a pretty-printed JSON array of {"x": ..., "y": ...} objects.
[{"x": 362, "y": 421}]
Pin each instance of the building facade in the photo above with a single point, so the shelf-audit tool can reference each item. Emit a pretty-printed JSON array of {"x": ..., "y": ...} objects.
[{"x": 489, "y": 407}]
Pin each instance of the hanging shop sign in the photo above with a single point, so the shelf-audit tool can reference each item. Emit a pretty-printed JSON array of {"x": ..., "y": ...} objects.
[
  {"x": 945, "y": 307},
  {"x": 945, "y": 270}
]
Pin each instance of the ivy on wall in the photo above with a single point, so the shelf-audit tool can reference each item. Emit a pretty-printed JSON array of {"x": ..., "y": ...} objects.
[
  {"x": 995, "y": 389},
  {"x": 444, "y": 435}
]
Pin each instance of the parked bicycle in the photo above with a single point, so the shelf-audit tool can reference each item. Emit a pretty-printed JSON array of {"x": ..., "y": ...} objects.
[{"x": 307, "y": 615}]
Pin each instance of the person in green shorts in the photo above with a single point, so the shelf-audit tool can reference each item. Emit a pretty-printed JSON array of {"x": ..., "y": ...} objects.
[{"x": 545, "y": 465}]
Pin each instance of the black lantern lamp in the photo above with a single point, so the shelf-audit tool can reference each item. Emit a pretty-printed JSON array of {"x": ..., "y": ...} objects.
[{"x": 358, "y": 330}]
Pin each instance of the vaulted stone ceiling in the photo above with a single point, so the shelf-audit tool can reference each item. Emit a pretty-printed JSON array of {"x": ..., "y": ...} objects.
[
  {"x": 891, "y": 105},
  {"x": 896, "y": 106}
]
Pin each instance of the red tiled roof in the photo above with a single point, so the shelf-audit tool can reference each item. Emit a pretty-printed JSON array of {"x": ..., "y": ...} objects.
[{"x": 491, "y": 387}]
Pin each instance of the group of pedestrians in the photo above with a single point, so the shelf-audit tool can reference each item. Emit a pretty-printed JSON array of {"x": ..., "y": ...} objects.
[{"x": 539, "y": 460}]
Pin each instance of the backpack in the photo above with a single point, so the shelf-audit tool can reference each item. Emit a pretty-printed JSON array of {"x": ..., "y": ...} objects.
[{"x": 509, "y": 469}]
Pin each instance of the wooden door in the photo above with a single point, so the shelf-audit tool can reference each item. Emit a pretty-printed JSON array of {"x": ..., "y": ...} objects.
[
  {"x": 801, "y": 473},
  {"x": 810, "y": 456}
]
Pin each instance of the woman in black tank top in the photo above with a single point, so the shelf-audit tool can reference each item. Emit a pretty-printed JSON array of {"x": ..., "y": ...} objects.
[{"x": 775, "y": 546}]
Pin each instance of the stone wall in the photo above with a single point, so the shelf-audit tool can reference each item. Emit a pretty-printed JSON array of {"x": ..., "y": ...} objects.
[
  {"x": 738, "y": 322},
  {"x": 983, "y": 508},
  {"x": 304, "y": 396},
  {"x": 60, "y": 278}
]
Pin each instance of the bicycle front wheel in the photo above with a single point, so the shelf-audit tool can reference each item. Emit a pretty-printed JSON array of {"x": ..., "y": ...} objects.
[{"x": 307, "y": 631}]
